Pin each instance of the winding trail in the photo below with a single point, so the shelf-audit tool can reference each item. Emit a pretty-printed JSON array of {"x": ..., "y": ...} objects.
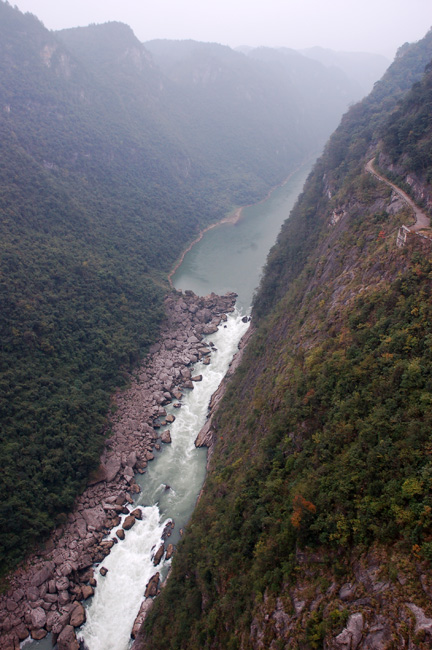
[{"x": 421, "y": 219}]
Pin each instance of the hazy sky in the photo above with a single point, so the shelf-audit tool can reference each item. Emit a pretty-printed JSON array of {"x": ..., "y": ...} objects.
[{"x": 355, "y": 25}]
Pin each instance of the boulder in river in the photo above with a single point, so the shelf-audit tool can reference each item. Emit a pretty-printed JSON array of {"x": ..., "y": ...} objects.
[
  {"x": 87, "y": 591},
  {"x": 166, "y": 436},
  {"x": 137, "y": 513},
  {"x": 169, "y": 552},
  {"x": 158, "y": 555},
  {"x": 129, "y": 522},
  {"x": 210, "y": 329},
  {"x": 78, "y": 615},
  {"x": 152, "y": 586},
  {"x": 67, "y": 639}
]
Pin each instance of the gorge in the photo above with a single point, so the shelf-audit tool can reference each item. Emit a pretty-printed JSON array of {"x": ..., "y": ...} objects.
[
  {"x": 178, "y": 467},
  {"x": 313, "y": 527},
  {"x": 321, "y": 484}
]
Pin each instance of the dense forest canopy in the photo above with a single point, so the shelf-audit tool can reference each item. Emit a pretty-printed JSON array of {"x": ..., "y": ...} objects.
[{"x": 109, "y": 167}]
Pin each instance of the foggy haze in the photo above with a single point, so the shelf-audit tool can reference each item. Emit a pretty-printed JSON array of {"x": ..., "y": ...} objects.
[{"x": 379, "y": 26}]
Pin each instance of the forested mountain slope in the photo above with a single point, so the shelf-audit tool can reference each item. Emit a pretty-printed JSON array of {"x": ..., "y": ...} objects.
[
  {"x": 360, "y": 126},
  {"x": 314, "y": 528},
  {"x": 76, "y": 260},
  {"x": 107, "y": 172},
  {"x": 406, "y": 152}
]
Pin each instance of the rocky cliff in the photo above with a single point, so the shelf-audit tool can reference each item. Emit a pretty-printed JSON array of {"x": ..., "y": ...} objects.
[{"x": 314, "y": 528}]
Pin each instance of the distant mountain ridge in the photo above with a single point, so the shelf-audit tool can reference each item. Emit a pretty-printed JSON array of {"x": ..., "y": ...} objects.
[
  {"x": 362, "y": 69},
  {"x": 291, "y": 81}
]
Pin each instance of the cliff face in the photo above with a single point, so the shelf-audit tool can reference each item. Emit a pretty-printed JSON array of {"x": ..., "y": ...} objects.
[{"x": 314, "y": 528}]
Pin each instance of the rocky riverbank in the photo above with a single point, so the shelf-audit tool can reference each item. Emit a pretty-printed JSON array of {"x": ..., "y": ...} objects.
[
  {"x": 207, "y": 435},
  {"x": 46, "y": 594}
]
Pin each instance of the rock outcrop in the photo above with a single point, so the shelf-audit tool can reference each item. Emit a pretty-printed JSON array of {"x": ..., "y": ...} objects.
[
  {"x": 152, "y": 586},
  {"x": 206, "y": 436},
  {"x": 142, "y": 614},
  {"x": 368, "y": 613}
]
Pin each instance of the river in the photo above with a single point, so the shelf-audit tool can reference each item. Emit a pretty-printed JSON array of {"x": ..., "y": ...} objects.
[{"x": 229, "y": 257}]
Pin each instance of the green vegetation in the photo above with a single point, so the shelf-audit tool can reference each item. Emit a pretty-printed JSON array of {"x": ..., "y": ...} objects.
[
  {"x": 408, "y": 132},
  {"x": 108, "y": 168},
  {"x": 323, "y": 442},
  {"x": 340, "y": 167}
]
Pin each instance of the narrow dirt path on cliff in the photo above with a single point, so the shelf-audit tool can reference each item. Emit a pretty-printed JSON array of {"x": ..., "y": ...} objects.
[{"x": 421, "y": 219}]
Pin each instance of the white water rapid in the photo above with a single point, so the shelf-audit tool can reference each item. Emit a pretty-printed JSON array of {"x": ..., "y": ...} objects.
[{"x": 118, "y": 596}]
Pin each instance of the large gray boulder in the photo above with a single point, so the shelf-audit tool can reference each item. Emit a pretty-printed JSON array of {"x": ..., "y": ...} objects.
[
  {"x": 67, "y": 639},
  {"x": 78, "y": 615},
  {"x": 350, "y": 637},
  {"x": 95, "y": 517},
  {"x": 142, "y": 614},
  {"x": 38, "y": 617},
  {"x": 44, "y": 574}
]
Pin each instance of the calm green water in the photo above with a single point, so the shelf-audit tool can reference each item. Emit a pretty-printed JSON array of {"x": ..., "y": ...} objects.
[{"x": 231, "y": 257}]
